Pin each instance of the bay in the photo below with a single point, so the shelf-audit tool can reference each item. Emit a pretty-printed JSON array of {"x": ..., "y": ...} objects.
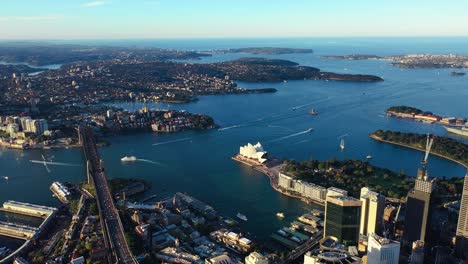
[{"x": 199, "y": 163}]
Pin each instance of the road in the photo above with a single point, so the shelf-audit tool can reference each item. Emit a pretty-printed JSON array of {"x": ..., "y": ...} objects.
[
  {"x": 310, "y": 244},
  {"x": 112, "y": 225}
]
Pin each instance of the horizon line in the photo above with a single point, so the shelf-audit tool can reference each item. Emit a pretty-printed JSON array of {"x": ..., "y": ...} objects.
[{"x": 233, "y": 37}]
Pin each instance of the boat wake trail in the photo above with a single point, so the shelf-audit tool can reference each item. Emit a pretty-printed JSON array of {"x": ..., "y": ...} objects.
[
  {"x": 290, "y": 136},
  {"x": 301, "y": 106},
  {"x": 149, "y": 161},
  {"x": 303, "y": 141},
  {"x": 229, "y": 127},
  {"x": 171, "y": 141},
  {"x": 53, "y": 163},
  {"x": 342, "y": 136}
]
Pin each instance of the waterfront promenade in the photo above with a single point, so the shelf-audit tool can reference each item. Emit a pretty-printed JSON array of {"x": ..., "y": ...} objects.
[{"x": 272, "y": 170}]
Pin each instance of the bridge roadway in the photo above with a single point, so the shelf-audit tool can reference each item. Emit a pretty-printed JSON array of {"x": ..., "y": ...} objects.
[
  {"x": 300, "y": 251},
  {"x": 112, "y": 225}
]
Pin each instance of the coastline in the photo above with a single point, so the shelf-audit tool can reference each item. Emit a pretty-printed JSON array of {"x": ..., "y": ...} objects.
[
  {"x": 270, "y": 172},
  {"x": 18, "y": 147},
  {"x": 416, "y": 148}
]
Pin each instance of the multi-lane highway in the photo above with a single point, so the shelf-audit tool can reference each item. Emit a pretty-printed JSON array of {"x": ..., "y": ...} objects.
[{"x": 112, "y": 226}]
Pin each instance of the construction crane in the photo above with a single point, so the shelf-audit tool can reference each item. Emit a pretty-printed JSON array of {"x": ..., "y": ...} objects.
[{"x": 422, "y": 172}]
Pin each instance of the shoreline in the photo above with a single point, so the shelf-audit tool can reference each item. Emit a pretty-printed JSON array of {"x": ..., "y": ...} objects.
[
  {"x": 270, "y": 174},
  {"x": 378, "y": 139}
]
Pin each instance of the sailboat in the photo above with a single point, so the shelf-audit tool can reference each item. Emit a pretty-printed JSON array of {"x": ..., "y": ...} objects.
[{"x": 342, "y": 144}]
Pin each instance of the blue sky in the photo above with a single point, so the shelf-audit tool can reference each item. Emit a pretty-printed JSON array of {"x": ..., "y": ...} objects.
[{"x": 120, "y": 19}]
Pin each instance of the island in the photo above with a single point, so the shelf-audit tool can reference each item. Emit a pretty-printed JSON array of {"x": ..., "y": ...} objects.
[
  {"x": 444, "y": 147},
  {"x": 416, "y": 114},
  {"x": 263, "y": 51}
]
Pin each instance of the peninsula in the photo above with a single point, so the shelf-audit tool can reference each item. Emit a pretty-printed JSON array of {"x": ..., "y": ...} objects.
[
  {"x": 132, "y": 79},
  {"x": 413, "y": 61},
  {"x": 56, "y": 129},
  {"x": 443, "y": 146},
  {"x": 351, "y": 57},
  {"x": 312, "y": 180}
]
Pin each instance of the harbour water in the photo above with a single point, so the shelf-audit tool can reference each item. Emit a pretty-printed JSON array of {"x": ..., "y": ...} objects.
[{"x": 200, "y": 164}]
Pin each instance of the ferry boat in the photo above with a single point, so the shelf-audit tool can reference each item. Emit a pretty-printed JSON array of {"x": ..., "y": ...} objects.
[
  {"x": 313, "y": 112},
  {"x": 342, "y": 145},
  {"x": 128, "y": 159},
  {"x": 458, "y": 130},
  {"x": 241, "y": 217},
  {"x": 280, "y": 215}
]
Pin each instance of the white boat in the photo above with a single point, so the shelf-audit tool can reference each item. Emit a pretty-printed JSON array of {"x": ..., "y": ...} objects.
[
  {"x": 342, "y": 145},
  {"x": 368, "y": 157},
  {"x": 463, "y": 130},
  {"x": 241, "y": 217},
  {"x": 280, "y": 215},
  {"x": 6, "y": 178},
  {"x": 128, "y": 159}
]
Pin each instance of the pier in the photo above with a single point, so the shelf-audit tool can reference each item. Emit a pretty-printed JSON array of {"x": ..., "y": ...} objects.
[
  {"x": 17, "y": 231},
  {"x": 24, "y": 232}
]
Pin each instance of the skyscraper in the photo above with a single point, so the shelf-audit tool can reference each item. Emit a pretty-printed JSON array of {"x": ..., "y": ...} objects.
[
  {"x": 419, "y": 201},
  {"x": 382, "y": 251},
  {"x": 373, "y": 205},
  {"x": 418, "y": 210},
  {"x": 342, "y": 219},
  {"x": 462, "y": 227}
]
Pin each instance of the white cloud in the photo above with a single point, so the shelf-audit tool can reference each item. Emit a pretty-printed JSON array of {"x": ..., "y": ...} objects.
[{"x": 92, "y": 4}]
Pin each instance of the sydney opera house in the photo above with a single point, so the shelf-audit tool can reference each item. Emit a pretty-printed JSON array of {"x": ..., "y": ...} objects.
[{"x": 255, "y": 152}]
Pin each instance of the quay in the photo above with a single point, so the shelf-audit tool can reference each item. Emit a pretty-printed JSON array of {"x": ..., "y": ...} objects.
[{"x": 272, "y": 168}]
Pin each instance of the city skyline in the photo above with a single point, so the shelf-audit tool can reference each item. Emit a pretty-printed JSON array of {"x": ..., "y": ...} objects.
[{"x": 117, "y": 19}]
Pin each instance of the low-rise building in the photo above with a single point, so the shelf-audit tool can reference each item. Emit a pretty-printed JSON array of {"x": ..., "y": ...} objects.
[
  {"x": 382, "y": 250},
  {"x": 256, "y": 258},
  {"x": 330, "y": 256}
]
